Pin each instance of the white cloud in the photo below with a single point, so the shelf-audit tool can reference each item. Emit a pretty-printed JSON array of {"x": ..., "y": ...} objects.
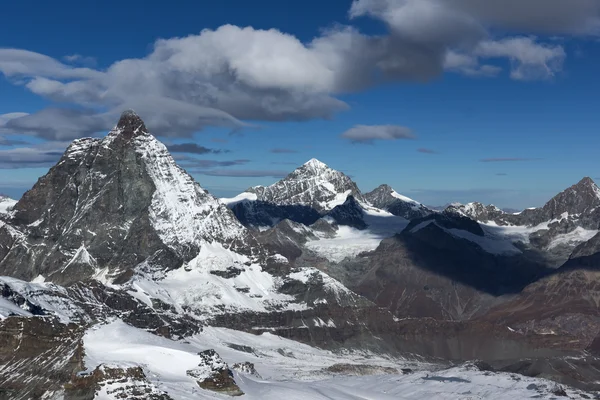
[
  {"x": 232, "y": 74},
  {"x": 530, "y": 60}
]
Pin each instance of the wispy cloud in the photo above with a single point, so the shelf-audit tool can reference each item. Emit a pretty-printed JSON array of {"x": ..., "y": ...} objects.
[
  {"x": 501, "y": 174},
  {"x": 285, "y": 163},
  {"x": 193, "y": 148},
  {"x": 280, "y": 150},
  {"x": 80, "y": 60},
  {"x": 427, "y": 151},
  {"x": 34, "y": 156},
  {"x": 206, "y": 164},
  {"x": 368, "y": 134},
  {"x": 508, "y": 159},
  {"x": 245, "y": 173},
  {"x": 4, "y": 141}
]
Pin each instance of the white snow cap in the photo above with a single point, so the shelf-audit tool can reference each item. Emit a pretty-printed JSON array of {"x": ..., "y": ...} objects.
[{"x": 314, "y": 163}]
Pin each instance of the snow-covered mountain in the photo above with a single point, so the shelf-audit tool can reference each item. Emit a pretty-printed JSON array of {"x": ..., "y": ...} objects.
[
  {"x": 386, "y": 198},
  {"x": 314, "y": 185},
  {"x": 121, "y": 277},
  {"x": 565, "y": 221}
]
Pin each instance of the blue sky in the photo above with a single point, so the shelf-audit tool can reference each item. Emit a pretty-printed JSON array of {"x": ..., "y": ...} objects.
[{"x": 448, "y": 101}]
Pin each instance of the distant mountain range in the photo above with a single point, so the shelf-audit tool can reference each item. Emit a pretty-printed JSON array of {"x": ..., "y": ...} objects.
[{"x": 118, "y": 244}]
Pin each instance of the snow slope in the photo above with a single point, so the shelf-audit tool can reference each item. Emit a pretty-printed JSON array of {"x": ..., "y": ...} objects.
[
  {"x": 293, "y": 371},
  {"x": 193, "y": 288}
]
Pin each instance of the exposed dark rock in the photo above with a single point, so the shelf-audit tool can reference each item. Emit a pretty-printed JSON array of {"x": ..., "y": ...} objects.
[
  {"x": 122, "y": 383},
  {"x": 350, "y": 213},
  {"x": 359, "y": 369},
  {"x": 246, "y": 368},
  {"x": 229, "y": 273},
  {"x": 213, "y": 374},
  {"x": 38, "y": 356},
  {"x": 386, "y": 198}
]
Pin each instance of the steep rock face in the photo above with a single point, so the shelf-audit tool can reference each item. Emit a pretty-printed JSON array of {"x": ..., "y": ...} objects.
[
  {"x": 37, "y": 357},
  {"x": 110, "y": 204},
  {"x": 314, "y": 184},
  {"x": 580, "y": 202},
  {"x": 386, "y": 198}
]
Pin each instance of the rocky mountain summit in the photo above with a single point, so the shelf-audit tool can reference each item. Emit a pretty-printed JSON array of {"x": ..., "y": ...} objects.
[{"x": 313, "y": 184}]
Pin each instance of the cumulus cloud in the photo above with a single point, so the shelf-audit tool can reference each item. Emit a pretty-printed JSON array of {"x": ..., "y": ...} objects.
[
  {"x": 193, "y": 148},
  {"x": 231, "y": 75},
  {"x": 508, "y": 159},
  {"x": 367, "y": 134},
  {"x": 553, "y": 17}
]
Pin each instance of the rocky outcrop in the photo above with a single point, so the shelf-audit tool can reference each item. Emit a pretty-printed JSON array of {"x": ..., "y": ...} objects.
[
  {"x": 214, "y": 374},
  {"x": 386, "y": 198},
  {"x": 350, "y": 214},
  {"x": 113, "y": 382}
]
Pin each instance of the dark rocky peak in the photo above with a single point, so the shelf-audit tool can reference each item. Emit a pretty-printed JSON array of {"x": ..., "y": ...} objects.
[
  {"x": 447, "y": 220},
  {"x": 130, "y": 125},
  {"x": 386, "y": 198},
  {"x": 581, "y": 198},
  {"x": 350, "y": 213}
]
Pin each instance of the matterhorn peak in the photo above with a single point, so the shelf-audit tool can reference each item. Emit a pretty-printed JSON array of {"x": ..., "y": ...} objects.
[{"x": 131, "y": 125}]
